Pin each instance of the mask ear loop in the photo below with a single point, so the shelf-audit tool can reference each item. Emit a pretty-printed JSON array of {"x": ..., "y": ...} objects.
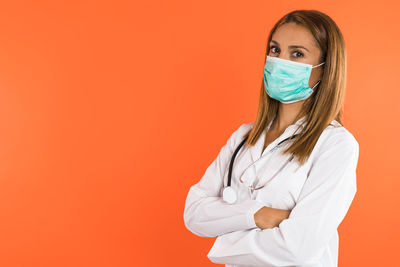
[
  {"x": 319, "y": 80},
  {"x": 315, "y": 85},
  {"x": 318, "y": 65}
]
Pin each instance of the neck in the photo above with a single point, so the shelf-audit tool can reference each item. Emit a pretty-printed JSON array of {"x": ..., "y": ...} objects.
[{"x": 286, "y": 115}]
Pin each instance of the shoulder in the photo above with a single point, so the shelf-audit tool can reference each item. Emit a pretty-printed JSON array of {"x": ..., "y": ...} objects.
[
  {"x": 337, "y": 139},
  {"x": 242, "y": 130},
  {"x": 337, "y": 133},
  {"x": 238, "y": 134}
]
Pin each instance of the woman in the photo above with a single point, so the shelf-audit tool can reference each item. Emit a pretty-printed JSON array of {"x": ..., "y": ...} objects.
[{"x": 285, "y": 202}]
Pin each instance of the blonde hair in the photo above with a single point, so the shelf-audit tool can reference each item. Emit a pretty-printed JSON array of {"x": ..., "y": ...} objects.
[{"x": 326, "y": 103}]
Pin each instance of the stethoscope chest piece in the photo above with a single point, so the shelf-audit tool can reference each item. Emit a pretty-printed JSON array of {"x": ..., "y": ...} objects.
[{"x": 229, "y": 195}]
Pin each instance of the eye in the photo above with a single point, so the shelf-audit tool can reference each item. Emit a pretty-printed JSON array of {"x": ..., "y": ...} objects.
[
  {"x": 298, "y": 54},
  {"x": 274, "y": 49}
]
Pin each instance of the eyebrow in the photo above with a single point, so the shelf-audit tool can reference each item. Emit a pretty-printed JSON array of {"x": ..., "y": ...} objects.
[{"x": 292, "y": 46}]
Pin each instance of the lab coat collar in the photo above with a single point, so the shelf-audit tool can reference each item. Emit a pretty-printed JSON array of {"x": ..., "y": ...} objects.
[{"x": 256, "y": 150}]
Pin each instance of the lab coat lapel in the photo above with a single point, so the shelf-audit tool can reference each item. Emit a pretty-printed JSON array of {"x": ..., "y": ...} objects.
[{"x": 256, "y": 150}]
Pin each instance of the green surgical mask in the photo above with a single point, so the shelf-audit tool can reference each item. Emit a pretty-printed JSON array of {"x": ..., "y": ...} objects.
[{"x": 286, "y": 80}]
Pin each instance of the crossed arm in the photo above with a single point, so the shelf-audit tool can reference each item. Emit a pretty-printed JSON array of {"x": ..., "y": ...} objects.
[{"x": 302, "y": 235}]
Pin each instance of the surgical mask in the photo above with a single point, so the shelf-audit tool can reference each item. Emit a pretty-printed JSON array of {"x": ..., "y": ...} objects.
[{"x": 286, "y": 80}]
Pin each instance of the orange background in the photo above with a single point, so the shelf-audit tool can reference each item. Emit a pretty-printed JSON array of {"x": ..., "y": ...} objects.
[{"x": 111, "y": 110}]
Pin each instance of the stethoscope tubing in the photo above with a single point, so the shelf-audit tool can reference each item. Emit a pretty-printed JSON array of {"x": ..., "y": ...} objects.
[{"x": 237, "y": 150}]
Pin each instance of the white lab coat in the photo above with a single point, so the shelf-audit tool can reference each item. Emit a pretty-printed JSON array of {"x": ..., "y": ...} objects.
[{"x": 318, "y": 193}]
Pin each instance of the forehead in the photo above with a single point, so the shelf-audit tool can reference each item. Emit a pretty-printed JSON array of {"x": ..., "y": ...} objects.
[{"x": 293, "y": 34}]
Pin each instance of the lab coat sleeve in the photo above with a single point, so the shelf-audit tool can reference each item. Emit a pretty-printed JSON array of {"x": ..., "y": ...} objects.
[
  {"x": 301, "y": 239},
  {"x": 206, "y": 214}
]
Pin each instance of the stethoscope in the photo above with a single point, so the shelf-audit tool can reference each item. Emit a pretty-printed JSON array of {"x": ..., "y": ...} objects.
[{"x": 229, "y": 194}]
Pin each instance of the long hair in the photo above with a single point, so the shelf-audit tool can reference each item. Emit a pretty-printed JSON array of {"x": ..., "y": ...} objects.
[{"x": 326, "y": 103}]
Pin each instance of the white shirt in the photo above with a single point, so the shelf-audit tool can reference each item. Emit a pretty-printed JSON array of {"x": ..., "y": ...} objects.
[{"x": 318, "y": 193}]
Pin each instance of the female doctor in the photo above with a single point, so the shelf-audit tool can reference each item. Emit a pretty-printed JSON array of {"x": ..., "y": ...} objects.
[{"x": 279, "y": 188}]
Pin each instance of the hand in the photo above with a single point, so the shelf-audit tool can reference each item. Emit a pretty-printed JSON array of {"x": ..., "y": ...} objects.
[{"x": 266, "y": 218}]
